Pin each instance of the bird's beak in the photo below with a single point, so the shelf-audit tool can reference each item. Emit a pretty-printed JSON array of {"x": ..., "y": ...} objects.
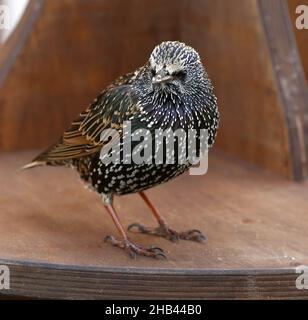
[{"x": 161, "y": 76}]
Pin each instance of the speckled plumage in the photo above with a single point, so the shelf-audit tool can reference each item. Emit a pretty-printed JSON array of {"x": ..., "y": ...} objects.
[
  {"x": 172, "y": 90},
  {"x": 190, "y": 104}
]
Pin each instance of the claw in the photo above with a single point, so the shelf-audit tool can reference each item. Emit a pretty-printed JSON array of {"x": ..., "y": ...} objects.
[
  {"x": 158, "y": 252},
  {"x": 174, "y": 237},
  {"x": 194, "y": 235},
  {"x": 135, "y": 249},
  {"x": 194, "y": 231},
  {"x": 164, "y": 231},
  {"x": 110, "y": 239},
  {"x": 156, "y": 249},
  {"x": 132, "y": 254},
  {"x": 162, "y": 255},
  {"x": 139, "y": 226},
  {"x": 107, "y": 238}
]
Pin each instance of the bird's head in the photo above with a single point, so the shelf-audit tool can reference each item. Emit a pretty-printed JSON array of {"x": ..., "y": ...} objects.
[
  {"x": 176, "y": 69},
  {"x": 173, "y": 89}
]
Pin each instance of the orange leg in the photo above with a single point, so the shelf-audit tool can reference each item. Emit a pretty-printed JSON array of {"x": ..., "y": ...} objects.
[
  {"x": 155, "y": 212},
  {"x": 132, "y": 248},
  {"x": 163, "y": 230}
]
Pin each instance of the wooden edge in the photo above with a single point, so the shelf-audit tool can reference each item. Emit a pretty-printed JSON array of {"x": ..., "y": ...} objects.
[
  {"x": 44, "y": 280},
  {"x": 10, "y": 49},
  {"x": 290, "y": 79}
]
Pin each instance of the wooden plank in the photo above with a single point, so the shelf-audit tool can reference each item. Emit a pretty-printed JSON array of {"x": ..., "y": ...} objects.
[
  {"x": 243, "y": 46},
  {"x": 300, "y": 34},
  {"x": 15, "y": 42},
  {"x": 75, "y": 49},
  {"x": 230, "y": 37},
  {"x": 52, "y": 230},
  {"x": 291, "y": 85}
]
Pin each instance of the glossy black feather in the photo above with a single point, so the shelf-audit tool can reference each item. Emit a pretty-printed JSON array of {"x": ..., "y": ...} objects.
[{"x": 185, "y": 101}]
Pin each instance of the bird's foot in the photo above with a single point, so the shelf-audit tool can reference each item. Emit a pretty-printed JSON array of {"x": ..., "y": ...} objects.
[
  {"x": 164, "y": 231},
  {"x": 134, "y": 249}
]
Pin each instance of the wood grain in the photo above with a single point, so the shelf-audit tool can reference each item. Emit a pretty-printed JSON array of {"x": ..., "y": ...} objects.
[
  {"x": 291, "y": 85},
  {"x": 52, "y": 230},
  {"x": 301, "y": 35},
  {"x": 77, "y": 47},
  {"x": 252, "y": 57},
  {"x": 15, "y": 42},
  {"x": 236, "y": 54}
]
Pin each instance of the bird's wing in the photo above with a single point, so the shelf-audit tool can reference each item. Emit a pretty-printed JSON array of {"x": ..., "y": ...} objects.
[{"x": 108, "y": 111}]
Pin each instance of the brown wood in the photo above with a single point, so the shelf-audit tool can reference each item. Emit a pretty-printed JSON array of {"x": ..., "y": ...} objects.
[
  {"x": 291, "y": 85},
  {"x": 301, "y": 35},
  {"x": 236, "y": 54},
  {"x": 52, "y": 231},
  {"x": 15, "y": 42},
  {"x": 77, "y": 47},
  {"x": 245, "y": 50}
]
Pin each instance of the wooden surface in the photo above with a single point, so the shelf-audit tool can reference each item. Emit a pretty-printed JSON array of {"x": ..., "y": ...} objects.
[
  {"x": 52, "y": 230},
  {"x": 262, "y": 121},
  {"x": 301, "y": 35},
  {"x": 93, "y": 42},
  {"x": 289, "y": 78},
  {"x": 237, "y": 56}
]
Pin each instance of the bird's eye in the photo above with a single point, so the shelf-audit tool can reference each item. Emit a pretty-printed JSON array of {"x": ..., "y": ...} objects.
[
  {"x": 153, "y": 72},
  {"x": 180, "y": 74}
]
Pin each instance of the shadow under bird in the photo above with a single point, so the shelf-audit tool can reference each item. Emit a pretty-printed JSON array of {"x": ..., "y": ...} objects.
[{"x": 172, "y": 90}]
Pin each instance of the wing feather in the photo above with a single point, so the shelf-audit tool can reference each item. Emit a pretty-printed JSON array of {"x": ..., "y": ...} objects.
[{"x": 113, "y": 106}]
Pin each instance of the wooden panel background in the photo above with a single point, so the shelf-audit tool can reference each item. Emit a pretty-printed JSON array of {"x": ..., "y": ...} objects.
[
  {"x": 236, "y": 54},
  {"x": 77, "y": 47},
  {"x": 301, "y": 35}
]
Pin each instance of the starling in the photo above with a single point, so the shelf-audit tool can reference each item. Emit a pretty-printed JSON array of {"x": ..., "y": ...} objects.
[{"x": 171, "y": 91}]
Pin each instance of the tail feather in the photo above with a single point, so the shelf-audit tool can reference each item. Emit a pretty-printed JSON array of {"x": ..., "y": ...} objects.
[
  {"x": 40, "y": 160},
  {"x": 33, "y": 164},
  {"x": 49, "y": 157}
]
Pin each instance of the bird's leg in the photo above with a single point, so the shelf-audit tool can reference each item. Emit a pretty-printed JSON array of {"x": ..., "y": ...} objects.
[
  {"x": 126, "y": 244},
  {"x": 163, "y": 230}
]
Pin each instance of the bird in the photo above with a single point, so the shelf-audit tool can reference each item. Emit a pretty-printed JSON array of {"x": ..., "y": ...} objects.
[{"x": 172, "y": 90}]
